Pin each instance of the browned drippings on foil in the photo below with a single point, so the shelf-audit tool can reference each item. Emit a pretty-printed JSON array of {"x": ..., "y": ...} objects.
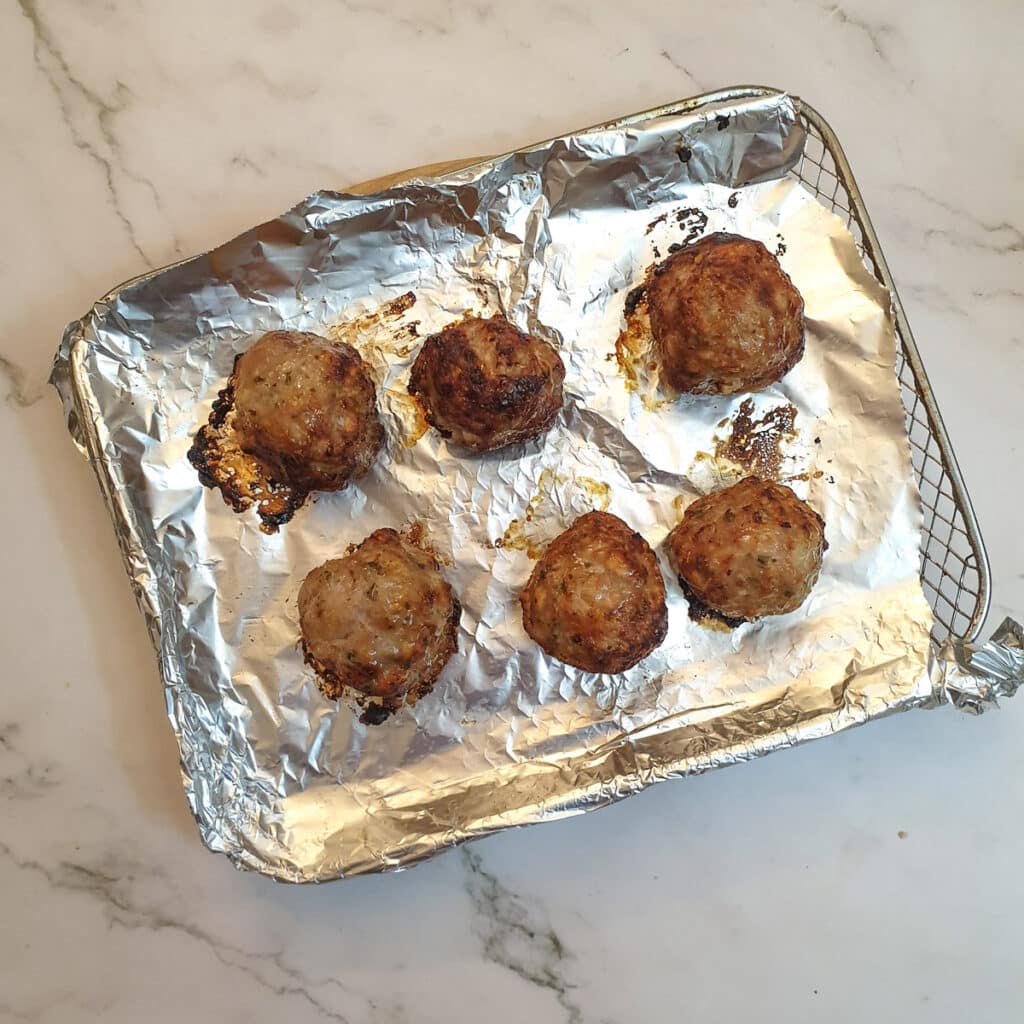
[
  {"x": 816, "y": 474},
  {"x": 654, "y": 223},
  {"x": 632, "y": 347},
  {"x": 374, "y": 334},
  {"x": 693, "y": 223},
  {"x": 600, "y": 492},
  {"x": 376, "y": 710},
  {"x": 636, "y": 355},
  {"x": 635, "y": 348},
  {"x": 518, "y": 535},
  {"x": 754, "y": 443},
  {"x": 242, "y": 480},
  {"x": 410, "y": 415}
]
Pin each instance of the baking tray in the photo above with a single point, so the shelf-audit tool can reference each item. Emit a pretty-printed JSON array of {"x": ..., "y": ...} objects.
[{"x": 954, "y": 568}]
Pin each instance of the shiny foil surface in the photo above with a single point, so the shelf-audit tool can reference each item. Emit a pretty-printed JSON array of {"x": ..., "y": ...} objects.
[{"x": 555, "y": 236}]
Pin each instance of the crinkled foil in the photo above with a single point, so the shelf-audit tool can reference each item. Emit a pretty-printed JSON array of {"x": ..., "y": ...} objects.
[{"x": 555, "y": 236}]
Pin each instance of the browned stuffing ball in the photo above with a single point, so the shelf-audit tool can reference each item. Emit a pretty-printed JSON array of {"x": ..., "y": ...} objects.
[
  {"x": 382, "y": 620},
  {"x": 307, "y": 409},
  {"x": 749, "y": 550},
  {"x": 484, "y": 384},
  {"x": 596, "y": 599},
  {"x": 725, "y": 317}
]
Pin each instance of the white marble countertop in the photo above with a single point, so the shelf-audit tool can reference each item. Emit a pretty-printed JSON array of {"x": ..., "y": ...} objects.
[{"x": 875, "y": 876}]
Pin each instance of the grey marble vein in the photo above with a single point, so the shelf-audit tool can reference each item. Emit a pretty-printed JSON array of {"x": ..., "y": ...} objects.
[
  {"x": 679, "y": 66},
  {"x": 997, "y": 293},
  {"x": 1006, "y": 245},
  {"x": 942, "y": 300},
  {"x": 21, "y": 391},
  {"x": 109, "y": 883},
  {"x": 516, "y": 938},
  {"x": 249, "y": 165},
  {"x": 66, "y": 85},
  {"x": 875, "y": 31},
  {"x": 1012, "y": 236},
  {"x": 281, "y": 90},
  {"x": 21, "y": 776},
  {"x": 935, "y": 298},
  {"x": 419, "y": 23}
]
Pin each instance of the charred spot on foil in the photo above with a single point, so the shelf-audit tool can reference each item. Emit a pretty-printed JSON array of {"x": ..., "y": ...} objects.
[
  {"x": 721, "y": 122},
  {"x": 376, "y": 714},
  {"x": 396, "y": 307},
  {"x": 693, "y": 222},
  {"x": 634, "y": 298},
  {"x": 675, "y": 247},
  {"x": 734, "y": 200},
  {"x": 703, "y": 614},
  {"x": 654, "y": 223},
  {"x": 242, "y": 480},
  {"x": 684, "y": 153},
  {"x": 755, "y": 443}
]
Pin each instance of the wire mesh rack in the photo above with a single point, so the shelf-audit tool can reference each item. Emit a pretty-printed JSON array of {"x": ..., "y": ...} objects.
[{"x": 954, "y": 564}]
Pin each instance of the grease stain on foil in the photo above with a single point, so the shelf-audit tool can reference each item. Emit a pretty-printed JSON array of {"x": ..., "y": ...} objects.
[
  {"x": 408, "y": 414},
  {"x": 377, "y": 336},
  {"x": 636, "y": 351},
  {"x": 555, "y": 492},
  {"x": 756, "y": 443},
  {"x": 761, "y": 443}
]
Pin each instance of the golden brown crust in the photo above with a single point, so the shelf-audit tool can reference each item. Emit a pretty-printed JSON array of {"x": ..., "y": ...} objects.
[
  {"x": 484, "y": 384},
  {"x": 749, "y": 550},
  {"x": 307, "y": 409},
  {"x": 596, "y": 599},
  {"x": 725, "y": 317},
  {"x": 382, "y": 620}
]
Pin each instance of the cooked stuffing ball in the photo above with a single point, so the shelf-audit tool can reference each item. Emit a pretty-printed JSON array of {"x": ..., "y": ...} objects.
[
  {"x": 749, "y": 550},
  {"x": 596, "y": 599},
  {"x": 725, "y": 317},
  {"x": 484, "y": 384},
  {"x": 307, "y": 409},
  {"x": 382, "y": 620}
]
